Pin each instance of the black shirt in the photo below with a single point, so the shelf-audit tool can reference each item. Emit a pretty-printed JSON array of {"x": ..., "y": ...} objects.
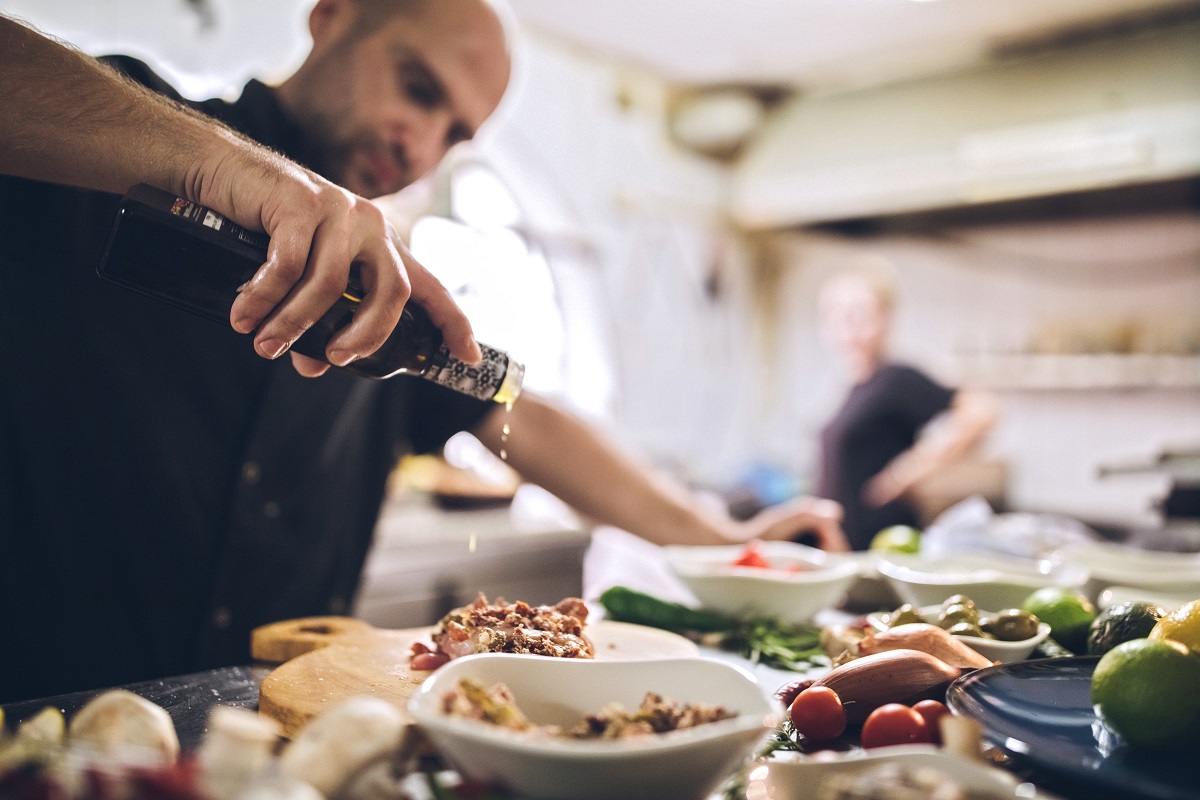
[
  {"x": 878, "y": 421},
  {"x": 163, "y": 490}
]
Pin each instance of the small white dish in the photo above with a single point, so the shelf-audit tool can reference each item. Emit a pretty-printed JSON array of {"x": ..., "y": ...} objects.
[
  {"x": 688, "y": 763},
  {"x": 991, "y": 581},
  {"x": 794, "y": 776},
  {"x": 1112, "y": 564},
  {"x": 802, "y": 581},
  {"x": 993, "y": 649}
]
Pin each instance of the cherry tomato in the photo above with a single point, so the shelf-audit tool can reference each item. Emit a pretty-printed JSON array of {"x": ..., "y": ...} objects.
[
  {"x": 932, "y": 711},
  {"x": 817, "y": 713},
  {"x": 894, "y": 723},
  {"x": 750, "y": 557}
]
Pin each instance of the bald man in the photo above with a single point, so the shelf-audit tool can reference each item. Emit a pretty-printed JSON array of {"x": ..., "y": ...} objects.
[{"x": 164, "y": 486}]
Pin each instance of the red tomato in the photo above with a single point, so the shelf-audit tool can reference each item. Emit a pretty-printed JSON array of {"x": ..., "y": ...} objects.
[
  {"x": 932, "y": 711},
  {"x": 894, "y": 723},
  {"x": 750, "y": 557},
  {"x": 817, "y": 713}
]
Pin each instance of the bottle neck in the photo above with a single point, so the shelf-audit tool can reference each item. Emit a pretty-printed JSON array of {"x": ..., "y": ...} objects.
[{"x": 496, "y": 378}]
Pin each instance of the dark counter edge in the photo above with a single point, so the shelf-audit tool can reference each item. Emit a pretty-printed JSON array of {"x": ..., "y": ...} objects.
[{"x": 187, "y": 698}]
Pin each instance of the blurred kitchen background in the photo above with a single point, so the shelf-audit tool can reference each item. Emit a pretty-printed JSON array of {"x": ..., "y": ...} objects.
[{"x": 647, "y": 220}]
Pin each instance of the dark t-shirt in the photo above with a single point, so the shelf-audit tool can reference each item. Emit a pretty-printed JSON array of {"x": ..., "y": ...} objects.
[
  {"x": 879, "y": 420},
  {"x": 163, "y": 490}
]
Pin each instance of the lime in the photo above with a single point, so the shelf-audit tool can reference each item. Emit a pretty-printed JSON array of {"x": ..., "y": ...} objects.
[
  {"x": 1068, "y": 613},
  {"x": 1148, "y": 691},
  {"x": 1133, "y": 619},
  {"x": 897, "y": 539},
  {"x": 1182, "y": 625}
]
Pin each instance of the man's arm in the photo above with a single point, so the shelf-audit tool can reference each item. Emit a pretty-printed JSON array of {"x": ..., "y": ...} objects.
[
  {"x": 561, "y": 453},
  {"x": 971, "y": 415},
  {"x": 66, "y": 118}
]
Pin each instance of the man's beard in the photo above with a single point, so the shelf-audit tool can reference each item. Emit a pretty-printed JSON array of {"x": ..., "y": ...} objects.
[{"x": 334, "y": 158}]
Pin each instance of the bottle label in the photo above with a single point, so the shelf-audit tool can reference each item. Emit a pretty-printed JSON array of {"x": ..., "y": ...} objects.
[
  {"x": 480, "y": 380},
  {"x": 211, "y": 219}
]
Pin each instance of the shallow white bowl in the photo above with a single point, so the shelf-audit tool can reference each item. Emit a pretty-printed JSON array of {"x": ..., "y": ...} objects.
[
  {"x": 1118, "y": 565},
  {"x": 1113, "y": 595},
  {"x": 682, "y": 764},
  {"x": 994, "y": 649},
  {"x": 794, "y": 776},
  {"x": 790, "y": 596},
  {"x": 991, "y": 581}
]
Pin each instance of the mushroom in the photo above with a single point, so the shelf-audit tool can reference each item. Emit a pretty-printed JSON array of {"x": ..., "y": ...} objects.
[
  {"x": 341, "y": 740},
  {"x": 118, "y": 719}
]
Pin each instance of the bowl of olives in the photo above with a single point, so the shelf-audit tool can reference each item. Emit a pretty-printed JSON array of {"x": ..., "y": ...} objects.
[{"x": 1006, "y": 635}]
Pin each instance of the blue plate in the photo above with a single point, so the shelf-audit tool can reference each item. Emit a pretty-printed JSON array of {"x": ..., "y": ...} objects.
[{"x": 1040, "y": 713}]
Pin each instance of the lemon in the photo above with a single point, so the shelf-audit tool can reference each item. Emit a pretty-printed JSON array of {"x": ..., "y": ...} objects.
[
  {"x": 1148, "y": 691},
  {"x": 897, "y": 539},
  {"x": 1181, "y": 625},
  {"x": 1068, "y": 613}
]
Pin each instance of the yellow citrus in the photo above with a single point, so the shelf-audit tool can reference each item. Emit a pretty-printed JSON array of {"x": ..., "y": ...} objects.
[
  {"x": 1148, "y": 691},
  {"x": 1181, "y": 625}
]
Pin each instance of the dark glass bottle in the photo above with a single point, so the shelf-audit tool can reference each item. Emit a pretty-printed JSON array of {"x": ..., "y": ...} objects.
[{"x": 184, "y": 254}]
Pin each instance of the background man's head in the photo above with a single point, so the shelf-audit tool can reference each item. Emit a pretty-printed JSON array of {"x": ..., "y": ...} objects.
[
  {"x": 391, "y": 85},
  {"x": 855, "y": 308}
]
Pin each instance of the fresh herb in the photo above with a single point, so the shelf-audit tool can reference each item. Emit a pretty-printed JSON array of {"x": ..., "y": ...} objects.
[{"x": 762, "y": 640}]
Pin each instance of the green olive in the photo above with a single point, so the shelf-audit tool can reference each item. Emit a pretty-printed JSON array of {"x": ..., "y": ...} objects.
[
  {"x": 1011, "y": 625},
  {"x": 957, "y": 613},
  {"x": 904, "y": 615},
  {"x": 965, "y": 629},
  {"x": 958, "y": 600}
]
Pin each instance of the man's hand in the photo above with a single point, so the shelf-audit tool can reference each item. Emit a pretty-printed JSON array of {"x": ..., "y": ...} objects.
[
  {"x": 786, "y": 521},
  {"x": 67, "y": 118}
]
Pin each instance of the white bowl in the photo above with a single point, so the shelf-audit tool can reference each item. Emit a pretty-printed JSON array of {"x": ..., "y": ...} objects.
[
  {"x": 1113, "y": 595},
  {"x": 791, "y": 596},
  {"x": 1119, "y": 565},
  {"x": 991, "y": 581},
  {"x": 688, "y": 763},
  {"x": 995, "y": 649},
  {"x": 794, "y": 776}
]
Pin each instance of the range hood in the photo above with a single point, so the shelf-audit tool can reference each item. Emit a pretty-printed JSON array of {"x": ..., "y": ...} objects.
[{"x": 1111, "y": 113}]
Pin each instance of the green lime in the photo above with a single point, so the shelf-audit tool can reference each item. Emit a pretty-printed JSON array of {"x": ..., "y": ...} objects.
[
  {"x": 1148, "y": 691},
  {"x": 897, "y": 539},
  {"x": 1068, "y": 613},
  {"x": 1133, "y": 619}
]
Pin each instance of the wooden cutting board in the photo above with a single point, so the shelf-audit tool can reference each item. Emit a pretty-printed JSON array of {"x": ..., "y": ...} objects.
[{"x": 329, "y": 659}]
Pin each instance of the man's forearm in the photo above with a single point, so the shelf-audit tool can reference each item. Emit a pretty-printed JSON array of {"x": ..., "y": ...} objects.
[
  {"x": 559, "y": 452},
  {"x": 67, "y": 118}
]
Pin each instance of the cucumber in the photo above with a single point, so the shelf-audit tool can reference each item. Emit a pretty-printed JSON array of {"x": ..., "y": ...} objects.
[{"x": 629, "y": 605}]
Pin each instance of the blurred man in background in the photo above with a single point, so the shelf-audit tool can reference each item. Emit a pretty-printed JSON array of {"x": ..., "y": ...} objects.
[{"x": 872, "y": 451}]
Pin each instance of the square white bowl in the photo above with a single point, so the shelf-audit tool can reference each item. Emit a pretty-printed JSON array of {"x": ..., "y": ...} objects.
[
  {"x": 683, "y": 764},
  {"x": 991, "y": 581},
  {"x": 817, "y": 581}
]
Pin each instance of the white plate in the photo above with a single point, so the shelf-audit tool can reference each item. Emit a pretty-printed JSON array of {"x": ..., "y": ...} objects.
[
  {"x": 686, "y": 763},
  {"x": 624, "y": 641},
  {"x": 799, "y": 777},
  {"x": 994, "y": 649}
]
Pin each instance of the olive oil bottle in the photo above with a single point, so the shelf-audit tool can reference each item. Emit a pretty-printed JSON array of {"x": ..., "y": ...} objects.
[{"x": 185, "y": 254}]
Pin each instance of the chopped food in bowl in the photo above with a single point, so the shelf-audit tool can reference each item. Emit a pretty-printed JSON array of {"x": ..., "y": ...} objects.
[
  {"x": 670, "y": 728},
  {"x": 1004, "y": 636},
  {"x": 785, "y": 580}
]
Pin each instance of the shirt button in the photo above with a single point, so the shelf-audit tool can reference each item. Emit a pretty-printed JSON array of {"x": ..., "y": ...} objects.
[
  {"x": 251, "y": 472},
  {"x": 272, "y": 510},
  {"x": 221, "y": 618}
]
